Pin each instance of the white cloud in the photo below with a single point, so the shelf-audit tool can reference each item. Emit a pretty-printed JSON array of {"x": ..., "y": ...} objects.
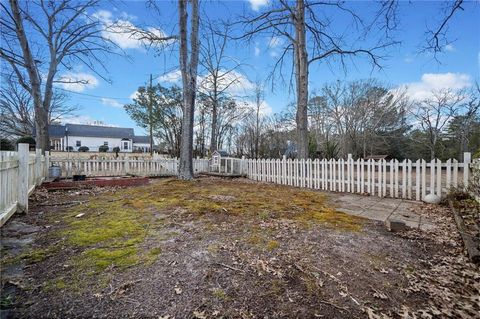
[
  {"x": 80, "y": 119},
  {"x": 265, "y": 108},
  {"x": 171, "y": 77},
  {"x": 234, "y": 83},
  {"x": 257, "y": 50},
  {"x": 120, "y": 30},
  {"x": 257, "y": 4},
  {"x": 450, "y": 48},
  {"x": 133, "y": 95},
  {"x": 111, "y": 102},
  {"x": 436, "y": 81},
  {"x": 238, "y": 84},
  {"x": 77, "y": 82},
  {"x": 274, "y": 53}
]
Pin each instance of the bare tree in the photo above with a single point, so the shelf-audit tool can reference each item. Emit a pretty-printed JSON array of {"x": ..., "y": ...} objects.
[
  {"x": 305, "y": 19},
  {"x": 437, "y": 36},
  {"x": 463, "y": 126},
  {"x": 361, "y": 117},
  {"x": 220, "y": 72},
  {"x": 188, "y": 68},
  {"x": 231, "y": 112},
  {"x": 17, "y": 116},
  {"x": 40, "y": 38},
  {"x": 259, "y": 99},
  {"x": 434, "y": 113}
]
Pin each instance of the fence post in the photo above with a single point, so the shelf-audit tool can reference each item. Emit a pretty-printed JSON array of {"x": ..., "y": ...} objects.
[
  {"x": 127, "y": 165},
  {"x": 242, "y": 166},
  {"x": 47, "y": 164},
  {"x": 467, "y": 159},
  {"x": 38, "y": 167},
  {"x": 23, "y": 154}
]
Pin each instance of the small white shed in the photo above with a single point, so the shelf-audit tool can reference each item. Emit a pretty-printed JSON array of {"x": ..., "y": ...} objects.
[{"x": 216, "y": 159}]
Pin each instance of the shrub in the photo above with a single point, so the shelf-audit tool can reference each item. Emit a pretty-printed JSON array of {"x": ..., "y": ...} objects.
[
  {"x": 6, "y": 145},
  {"x": 103, "y": 148},
  {"x": 83, "y": 149},
  {"x": 27, "y": 139},
  {"x": 70, "y": 148},
  {"x": 476, "y": 154},
  {"x": 116, "y": 150}
]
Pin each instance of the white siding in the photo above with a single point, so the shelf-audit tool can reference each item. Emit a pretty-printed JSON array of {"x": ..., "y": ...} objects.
[{"x": 93, "y": 143}]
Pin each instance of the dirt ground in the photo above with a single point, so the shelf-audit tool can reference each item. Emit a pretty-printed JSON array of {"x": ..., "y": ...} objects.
[{"x": 218, "y": 248}]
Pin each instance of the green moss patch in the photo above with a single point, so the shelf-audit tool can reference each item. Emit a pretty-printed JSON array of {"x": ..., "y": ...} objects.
[{"x": 113, "y": 230}]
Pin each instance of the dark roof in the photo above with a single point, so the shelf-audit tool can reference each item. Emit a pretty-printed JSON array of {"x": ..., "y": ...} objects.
[
  {"x": 376, "y": 157},
  {"x": 141, "y": 139},
  {"x": 221, "y": 152},
  {"x": 56, "y": 130},
  {"x": 99, "y": 131}
]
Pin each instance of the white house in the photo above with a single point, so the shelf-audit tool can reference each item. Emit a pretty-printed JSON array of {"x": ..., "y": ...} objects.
[{"x": 94, "y": 136}]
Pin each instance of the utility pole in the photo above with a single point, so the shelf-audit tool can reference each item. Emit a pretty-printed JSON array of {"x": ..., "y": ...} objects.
[{"x": 150, "y": 107}]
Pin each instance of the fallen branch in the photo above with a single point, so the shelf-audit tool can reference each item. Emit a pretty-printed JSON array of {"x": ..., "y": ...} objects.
[
  {"x": 333, "y": 305},
  {"x": 471, "y": 245},
  {"x": 72, "y": 203},
  {"x": 230, "y": 267}
]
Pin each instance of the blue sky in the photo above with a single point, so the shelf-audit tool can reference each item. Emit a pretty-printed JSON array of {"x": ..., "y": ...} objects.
[{"x": 100, "y": 100}]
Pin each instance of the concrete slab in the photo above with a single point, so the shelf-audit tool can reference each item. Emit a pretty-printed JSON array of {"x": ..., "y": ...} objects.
[{"x": 380, "y": 209}]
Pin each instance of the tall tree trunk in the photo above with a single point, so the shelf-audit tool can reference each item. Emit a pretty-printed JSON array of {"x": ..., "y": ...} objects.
[
  {"x": 214, "y": 137},
  {"x": 41, "y": 114},
  {"x": 150, "y": 114},
  {"x": 257, "y": 128},
  {"x": 301, "y": 77},
  {"x": 41, "y": 130},
  {"x": 188, "y": 68}
]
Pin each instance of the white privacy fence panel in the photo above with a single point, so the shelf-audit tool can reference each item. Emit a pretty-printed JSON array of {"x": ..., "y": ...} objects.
[
  {"x": 122, "y": 167},
  {"x": 383, "y": 178},
  {"x": 20, "y": 172}
]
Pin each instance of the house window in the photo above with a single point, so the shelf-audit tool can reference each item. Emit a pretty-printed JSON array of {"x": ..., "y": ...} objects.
[
  {"x": 125, "y": 145},
  {"x": 79, "y": 143},
  {"x": 105, "y": 143}
]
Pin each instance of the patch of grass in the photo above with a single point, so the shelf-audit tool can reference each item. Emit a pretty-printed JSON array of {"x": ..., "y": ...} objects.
[
  {"x": 213, "y": 248},
  {"x": 32, "y": 256},
  {"x": 6, "y": 301},
  {"x": 255, "y": 239},
  {"x": 272, "y": 244},
  {"x": 331, "y": 218},
  {"x": 114, "y": 224},
  {"x": 152, "y": 255},
  {"x": 220, "y": 294},
  {"x": 264, "y": 215},
  {"x": 276, "y": 287},
  {"x": 57, "y": 283},
  {"x": 311, "y": 285},
  {"x": 102, "y": 258}
]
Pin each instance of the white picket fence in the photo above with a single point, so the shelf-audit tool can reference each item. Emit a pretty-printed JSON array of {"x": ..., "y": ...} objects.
[
  {"x": 406, "y": 179},
  {"x": 20, "y": 173},
  {"x": 123, "y": 167}
]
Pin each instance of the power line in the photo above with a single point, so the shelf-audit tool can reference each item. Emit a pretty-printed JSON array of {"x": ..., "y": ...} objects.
[
  {"x": 79, "y": 93},
  {"x": 95, "y": 96}
]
